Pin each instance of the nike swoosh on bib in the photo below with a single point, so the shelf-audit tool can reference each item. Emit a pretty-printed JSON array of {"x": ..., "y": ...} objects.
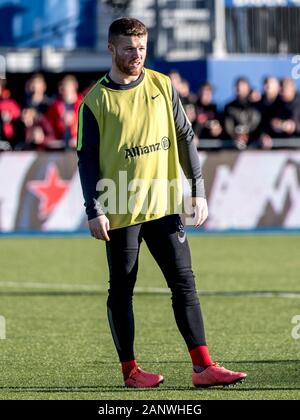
[{"x": 181, "y": 237}]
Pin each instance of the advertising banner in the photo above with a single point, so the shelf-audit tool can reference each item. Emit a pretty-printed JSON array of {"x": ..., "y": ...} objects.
[{"x": 245, "y": 190}]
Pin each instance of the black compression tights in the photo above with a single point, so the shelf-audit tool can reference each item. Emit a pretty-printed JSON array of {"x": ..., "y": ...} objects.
[{"x": 166, "y": 241}]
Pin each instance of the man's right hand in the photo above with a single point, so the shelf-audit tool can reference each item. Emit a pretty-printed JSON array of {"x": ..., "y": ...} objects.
[{"x": 99, "y": 226}]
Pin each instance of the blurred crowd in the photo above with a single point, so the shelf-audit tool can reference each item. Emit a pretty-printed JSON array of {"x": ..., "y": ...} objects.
[
  {"x": 251, "y": 119},
  {"x": 40, "y": 122}
]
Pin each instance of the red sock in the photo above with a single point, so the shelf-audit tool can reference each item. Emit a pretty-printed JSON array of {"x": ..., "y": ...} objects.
[
  {"x": 127, "y": 367},
  {"x": 200, "y": 356}
]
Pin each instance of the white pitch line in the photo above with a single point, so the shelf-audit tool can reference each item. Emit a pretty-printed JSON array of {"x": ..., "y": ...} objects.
[
  {"x": 75, "y": 287},
  {"x": 54, "y": 286},
  {"x": 67, "y": 287}
]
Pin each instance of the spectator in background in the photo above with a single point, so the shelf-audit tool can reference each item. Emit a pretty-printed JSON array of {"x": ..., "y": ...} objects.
[
  {"x": 267, "y": 108},
  {"x": 286, "y": 121},
  {"x": 183, "y": 88},
  {"x": 208, "y": 125},
  {"x": 37, "y": 131},
  {"x": 254, "y": 96},
  {"x": 188, "y": 100},
  {"x": 9, "y": 115},
  {"x": 175, "y": 79},
  {"x": 241, "y": 118},
  {"x": 185, "y": 94},
  {"x": 62, "y": 114},
  {"x": 186, "y": 97},
  {"x": 35, "y": 90}
]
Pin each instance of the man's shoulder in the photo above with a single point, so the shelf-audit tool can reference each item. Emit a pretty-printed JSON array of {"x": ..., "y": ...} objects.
[
  {"x": 157, "y": 75},
  {"x": 93, "y": 95},
  {"x": 161, "y": 81},
  {"x": 92, "y": 90},
  {"x": 232, "y": 105}
]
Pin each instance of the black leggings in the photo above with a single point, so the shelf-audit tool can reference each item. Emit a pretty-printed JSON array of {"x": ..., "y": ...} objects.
[{"x": 167, "y": 243}]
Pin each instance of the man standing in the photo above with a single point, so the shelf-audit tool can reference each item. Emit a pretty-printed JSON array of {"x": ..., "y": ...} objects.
[{"x": 133, "y": 135}]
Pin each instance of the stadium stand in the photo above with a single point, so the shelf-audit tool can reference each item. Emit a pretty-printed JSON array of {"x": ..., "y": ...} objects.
[{"x": 196, "y": 37}]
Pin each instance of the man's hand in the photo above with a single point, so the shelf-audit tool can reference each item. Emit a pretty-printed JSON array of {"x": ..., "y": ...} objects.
[
  {"x": 99, "y": 226},
  {"x": 289, "y": 126},
  {"x": 201, "y": 211},
  {"x": 266, "y": 141}
]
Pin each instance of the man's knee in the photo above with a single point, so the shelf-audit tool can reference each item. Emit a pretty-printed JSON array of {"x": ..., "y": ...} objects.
[
  {"x": 183, "y": 289},
  {"x": 119, "y": 297},
  {"x": 187, "y": 298}
]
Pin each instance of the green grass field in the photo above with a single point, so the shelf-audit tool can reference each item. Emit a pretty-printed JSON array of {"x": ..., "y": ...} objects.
[{"x": 58, "y": 344}]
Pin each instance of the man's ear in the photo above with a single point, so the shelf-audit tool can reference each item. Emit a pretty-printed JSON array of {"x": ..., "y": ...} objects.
[{"x": 111, "y": 48}]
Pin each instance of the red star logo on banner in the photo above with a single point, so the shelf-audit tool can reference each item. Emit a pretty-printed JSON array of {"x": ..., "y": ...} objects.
[{"x": 50, "y": 190}]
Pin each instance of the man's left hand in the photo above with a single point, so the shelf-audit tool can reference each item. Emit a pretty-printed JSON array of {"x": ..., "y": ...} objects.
[{"x": 201, "y": 210}]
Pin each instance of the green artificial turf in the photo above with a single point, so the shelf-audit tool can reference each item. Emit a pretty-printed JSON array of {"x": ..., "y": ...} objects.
[{"x": 58, "y": 344}]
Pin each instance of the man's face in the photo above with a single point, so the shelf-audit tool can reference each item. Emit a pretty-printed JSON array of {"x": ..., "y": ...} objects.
[
  {"x": 129, "y": 53},
  {"x": 272, "y": 87},
  {"x": 206, "y": 95},
  {"x": 242, "y": 89},
  {"x": 288, "y": 90},
  {"x": 37, "y": 85}
]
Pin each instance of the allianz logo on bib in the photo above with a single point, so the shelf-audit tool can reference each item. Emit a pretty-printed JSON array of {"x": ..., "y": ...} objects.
[{"x": 137, "y": 151}]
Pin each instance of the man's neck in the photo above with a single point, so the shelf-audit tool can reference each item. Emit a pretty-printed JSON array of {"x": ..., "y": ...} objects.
[
  {"x": 37, "y": 97},
  {"x": 121, "y": 78}
]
